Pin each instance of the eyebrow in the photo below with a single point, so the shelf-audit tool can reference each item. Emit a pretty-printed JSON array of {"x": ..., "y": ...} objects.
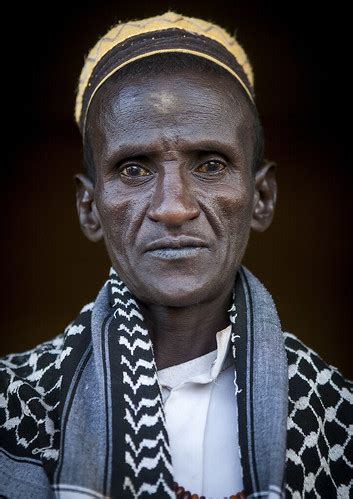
[{"x": 135, "y": 151}]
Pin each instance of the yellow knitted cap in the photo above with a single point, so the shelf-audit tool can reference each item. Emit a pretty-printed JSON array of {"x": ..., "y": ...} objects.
[{"x": 130, "y": 41}]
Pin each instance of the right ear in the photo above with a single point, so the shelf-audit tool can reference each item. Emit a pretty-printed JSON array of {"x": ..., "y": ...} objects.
[{"x": 86, "y": 208}]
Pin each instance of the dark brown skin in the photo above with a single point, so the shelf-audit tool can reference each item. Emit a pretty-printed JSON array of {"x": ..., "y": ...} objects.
[{"x": 173, "y": 158}]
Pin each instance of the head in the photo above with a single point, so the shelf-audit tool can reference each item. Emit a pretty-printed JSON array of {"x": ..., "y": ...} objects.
[
  {"x": 175, "y": 178},
  {"x": 171, "y": 64}
]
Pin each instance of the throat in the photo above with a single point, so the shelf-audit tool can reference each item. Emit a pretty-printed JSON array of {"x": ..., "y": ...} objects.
[
  {"x": 180, "y": 350},
  {"x": 182, "y": 334}
]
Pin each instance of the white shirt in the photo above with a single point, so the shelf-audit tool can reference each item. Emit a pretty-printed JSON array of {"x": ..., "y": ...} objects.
[{"x": 202, "y": 422}]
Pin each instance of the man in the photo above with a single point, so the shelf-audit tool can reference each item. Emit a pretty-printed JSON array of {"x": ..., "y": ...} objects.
[{"x": 177, "y": 380}]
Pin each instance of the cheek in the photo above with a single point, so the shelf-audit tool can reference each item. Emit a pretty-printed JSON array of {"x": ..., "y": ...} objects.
[
  {"x": 233, "y": 210},
  {"x": 119, "y": 217},
  {"x": 239, "y": 216}
]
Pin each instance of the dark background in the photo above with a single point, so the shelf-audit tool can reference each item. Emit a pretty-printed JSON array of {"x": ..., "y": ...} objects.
[{"x": 301, "y": 57}]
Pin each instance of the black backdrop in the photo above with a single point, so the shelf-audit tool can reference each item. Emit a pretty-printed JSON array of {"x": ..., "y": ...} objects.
[{"x": 301, "y": 57}]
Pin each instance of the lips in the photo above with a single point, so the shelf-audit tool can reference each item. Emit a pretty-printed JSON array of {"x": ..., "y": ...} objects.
[{"x": 175, "y": 243}]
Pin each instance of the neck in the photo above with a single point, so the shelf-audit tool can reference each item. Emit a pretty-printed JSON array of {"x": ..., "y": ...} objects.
[{"x": 180, "y": 334}]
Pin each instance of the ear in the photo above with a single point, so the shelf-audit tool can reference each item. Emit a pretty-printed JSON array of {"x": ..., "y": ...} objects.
[
  {"x": 265, "y": 196},
  {"x": 86, "y": 208}
]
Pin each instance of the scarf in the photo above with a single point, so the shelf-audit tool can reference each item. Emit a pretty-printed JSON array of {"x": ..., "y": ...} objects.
[{"x": 82, "y": 415}]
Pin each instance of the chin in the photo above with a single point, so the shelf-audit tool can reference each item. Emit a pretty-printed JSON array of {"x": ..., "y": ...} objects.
[
  {"x": 175, "y": 295},
  {"x": 178, "y": 300}
]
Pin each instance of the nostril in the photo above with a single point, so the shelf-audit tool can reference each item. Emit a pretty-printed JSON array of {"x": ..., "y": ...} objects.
[
  {"x": 174, "y": 212},
  {"x": 173, "y": 201}
]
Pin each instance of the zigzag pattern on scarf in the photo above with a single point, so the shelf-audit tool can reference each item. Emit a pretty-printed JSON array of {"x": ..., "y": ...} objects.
[{"x": 143, "y": 433}]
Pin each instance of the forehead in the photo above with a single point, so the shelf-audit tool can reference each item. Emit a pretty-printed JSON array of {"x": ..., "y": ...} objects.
[{"x": 186, "y": 109}]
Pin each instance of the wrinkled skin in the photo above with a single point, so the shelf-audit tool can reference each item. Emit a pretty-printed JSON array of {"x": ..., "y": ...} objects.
[{"x": 173, "y": 158}]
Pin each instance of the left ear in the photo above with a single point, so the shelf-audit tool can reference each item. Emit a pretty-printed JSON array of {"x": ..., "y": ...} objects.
[{"x": 265, "y": 196}]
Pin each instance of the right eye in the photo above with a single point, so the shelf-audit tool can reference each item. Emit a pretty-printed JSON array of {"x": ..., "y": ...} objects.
[{"x": 134, "y": 171}]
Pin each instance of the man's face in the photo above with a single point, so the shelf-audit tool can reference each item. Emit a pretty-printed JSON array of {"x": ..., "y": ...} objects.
[{"x": 174, "y": 188}]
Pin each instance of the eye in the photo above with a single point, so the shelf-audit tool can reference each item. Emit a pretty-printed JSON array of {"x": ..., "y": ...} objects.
[
  {"x": 134, "y": 171},
  {"x": 210, "y": 167}
]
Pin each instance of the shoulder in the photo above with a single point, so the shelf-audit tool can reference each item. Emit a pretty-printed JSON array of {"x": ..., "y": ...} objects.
[
  {"x": 306, "y": 364},
  {"x": 320, "y": 422},
  {"x": 314, "y": 382},
  {"x": 31, "y": 366},
  {"x": 30, "y": 384}
]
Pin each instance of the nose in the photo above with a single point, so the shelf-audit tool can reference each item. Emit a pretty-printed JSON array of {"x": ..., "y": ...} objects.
[{"x": 173, "y": 203}]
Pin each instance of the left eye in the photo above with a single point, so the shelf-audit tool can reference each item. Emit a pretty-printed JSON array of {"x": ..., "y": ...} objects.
[
  {"x": 210, "y": 167},
  {"x": 134, "y": 171}
]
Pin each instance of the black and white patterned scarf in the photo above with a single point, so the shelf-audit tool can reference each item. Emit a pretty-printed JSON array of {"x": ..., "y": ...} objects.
[{"x": 82, "y": 415}]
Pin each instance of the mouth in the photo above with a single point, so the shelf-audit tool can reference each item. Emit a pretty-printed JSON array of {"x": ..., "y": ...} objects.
[{"x": 175, "y": 247}]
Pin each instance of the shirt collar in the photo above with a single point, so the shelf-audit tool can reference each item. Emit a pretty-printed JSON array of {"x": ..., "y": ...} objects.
[{"x": 203, "y": 369}]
